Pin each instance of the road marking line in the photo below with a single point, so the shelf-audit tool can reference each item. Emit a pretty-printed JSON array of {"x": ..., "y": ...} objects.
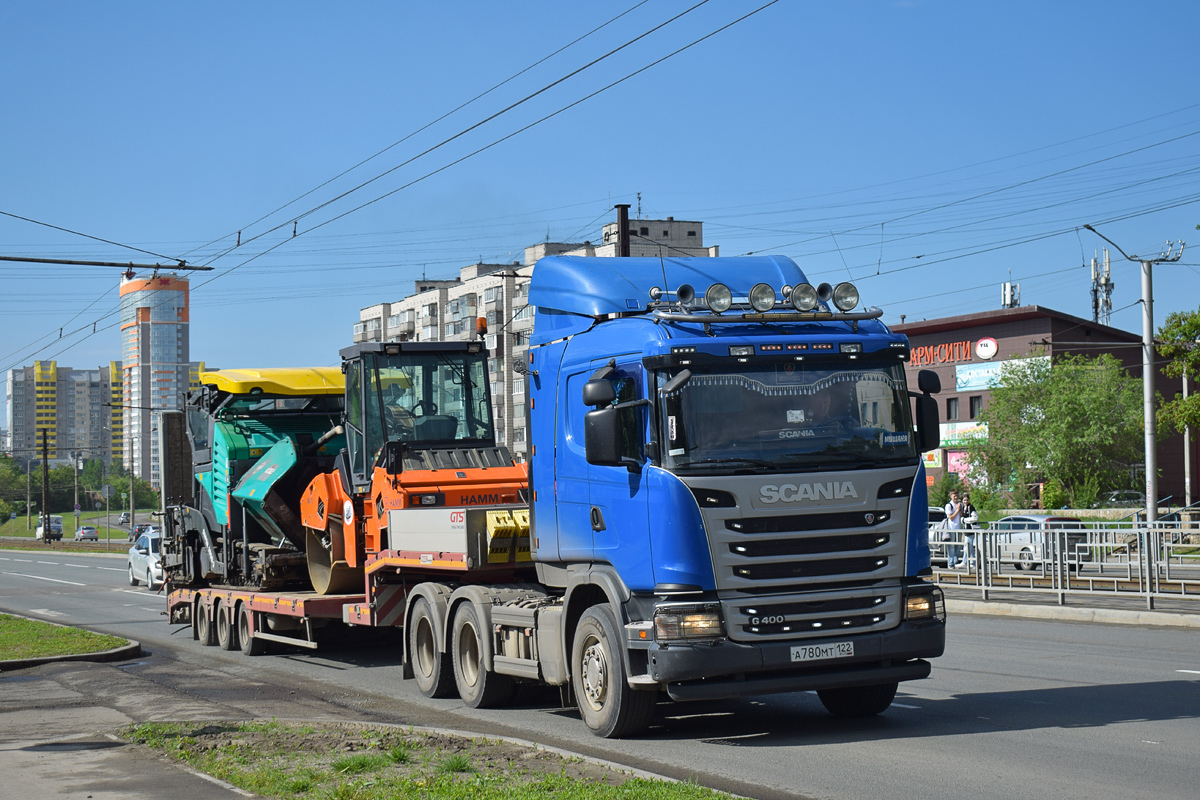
[
  {"x": 51, "y": 563},
  {"x": 40, "y": 578},
  {"x": 1189, "y": 671},
  {"x": 901, "y": 705},
  {"x": 77, "y": 566},
  {"x": 111, "y": 569},
  {"x": 24, "y": 560},
  {"x": 47, "y": 612}
]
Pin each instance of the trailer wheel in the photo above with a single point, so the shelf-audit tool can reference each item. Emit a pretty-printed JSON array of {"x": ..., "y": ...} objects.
[
  {"x": 478, "y": 687},
  {"x": 202, "y": 628},
  {"x": 226, "y": 635},
  {"x": 432, "y": 669},
  {"x": 858, "y": 701},
  {"x": 250, "y": 645},
  {"x": 606, "y": 703}
]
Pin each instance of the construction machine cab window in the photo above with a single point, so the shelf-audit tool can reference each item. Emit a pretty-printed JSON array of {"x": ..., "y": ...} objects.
[{"x": 425, "y": 398}]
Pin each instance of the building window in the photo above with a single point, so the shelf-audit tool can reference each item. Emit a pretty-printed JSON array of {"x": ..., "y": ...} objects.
[
  {"x": 691, "y": 233},
  {"x": 645, "y": 232},
  {"x": 976, "y": 406},
  {"x": 666, "y": 234},
  {"x": 951, "y": 408}
]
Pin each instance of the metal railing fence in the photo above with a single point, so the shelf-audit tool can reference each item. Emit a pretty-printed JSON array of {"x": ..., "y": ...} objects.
[{"x": 1126, "y": 558}]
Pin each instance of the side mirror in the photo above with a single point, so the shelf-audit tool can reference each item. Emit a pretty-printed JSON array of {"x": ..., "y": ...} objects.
[
  {"x": 598, "y": 393},
  {"x": 929, "y": 435},
  {"x": 929, "y": 382},
  {"x": 601, "y": 436},
  {"x": 393, "y": 457}
]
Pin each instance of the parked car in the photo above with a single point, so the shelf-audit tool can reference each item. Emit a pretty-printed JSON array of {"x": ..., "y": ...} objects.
[
  {"x": 1026, "y": 540},
  {"x": 1126, "y": 498},
  {"x": 124, "y": 519},
  {"x": 937, "y": 521},
  {"x": 86, "y": 533},
  {"x": 144, "y": 566}
]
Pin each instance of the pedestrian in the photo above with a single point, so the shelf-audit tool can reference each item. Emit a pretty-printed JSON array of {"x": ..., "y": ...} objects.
[
  {"x": 970, "y": 517},
  {"x": 953, "y": 526}
]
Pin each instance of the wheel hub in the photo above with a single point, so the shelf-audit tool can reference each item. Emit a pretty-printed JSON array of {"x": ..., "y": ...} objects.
[{"x": 595, "y": 675}]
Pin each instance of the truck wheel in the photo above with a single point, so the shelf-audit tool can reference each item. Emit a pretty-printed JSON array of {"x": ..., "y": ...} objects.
[
  {"x": 858, "y": 701},
  {"x": 432, "y": 669},
  {"x": 606, "y": 703},
  {"x": 226, "y": 636},
  {"x": 202, "y": 627},
  {"x": 478, "y": 687},
  {"x": 250, "y": 645}
]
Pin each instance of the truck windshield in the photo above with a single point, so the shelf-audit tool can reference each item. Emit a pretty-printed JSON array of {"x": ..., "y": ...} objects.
[{"x": 787, "y": 416}]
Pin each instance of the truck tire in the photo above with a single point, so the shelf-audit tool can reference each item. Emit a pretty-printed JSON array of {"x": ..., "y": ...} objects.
[
  {"x": 608, "y": 706},
  {"x": 250, "y": 646},
  {"x": 202, "y": 628},
  {"x": 858, "y": 701},
  {"x": 477, "y": 686},
  {"x": 432, "y": 668},
  {"x": 226, "y": 635}
]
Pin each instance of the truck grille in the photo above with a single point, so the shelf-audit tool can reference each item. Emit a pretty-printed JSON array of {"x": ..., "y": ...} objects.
[{"x": 807, "y": 569}]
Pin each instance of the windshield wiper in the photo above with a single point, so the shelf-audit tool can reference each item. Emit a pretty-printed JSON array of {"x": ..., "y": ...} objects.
[{"x": 758, "y": 462}]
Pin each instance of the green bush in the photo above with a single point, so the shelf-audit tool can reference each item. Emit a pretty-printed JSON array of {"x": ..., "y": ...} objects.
[
  {"x": 1086, "y": 493},
  {"x": 1053, "y": 494}
]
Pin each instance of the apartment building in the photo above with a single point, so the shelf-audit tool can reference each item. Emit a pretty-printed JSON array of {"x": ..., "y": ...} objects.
[
  {"x": 490, "y": 302},
  {"x": 80, "y": 410}
]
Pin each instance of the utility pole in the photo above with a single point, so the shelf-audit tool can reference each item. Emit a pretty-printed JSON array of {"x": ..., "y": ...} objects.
[
  {"x": 29, "y": 495},
  {"x": 1151, "y": 454},
  {"x": 45, "y": 485}
]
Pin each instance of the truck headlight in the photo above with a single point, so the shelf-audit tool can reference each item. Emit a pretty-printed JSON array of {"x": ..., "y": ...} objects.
[
  {"x": 926, "y": 605},
  {"x": 762, "y": 297},
  {"x": 674, "y": 623}
]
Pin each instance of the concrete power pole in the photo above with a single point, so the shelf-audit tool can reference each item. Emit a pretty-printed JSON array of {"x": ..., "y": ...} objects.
[{"x": 1151, "y": 453}]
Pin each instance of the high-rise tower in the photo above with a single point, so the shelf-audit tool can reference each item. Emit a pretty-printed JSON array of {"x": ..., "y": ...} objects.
[{"x": 154, "y": 347}]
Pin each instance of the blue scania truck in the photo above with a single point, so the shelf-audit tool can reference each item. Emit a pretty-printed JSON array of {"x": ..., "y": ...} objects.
[
  {"x": 726, "y": 487},
  {"x": 725, "y": 498}
]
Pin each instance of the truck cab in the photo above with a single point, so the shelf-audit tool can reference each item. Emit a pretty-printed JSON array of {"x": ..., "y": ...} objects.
[{"x": 740, "y": 483}]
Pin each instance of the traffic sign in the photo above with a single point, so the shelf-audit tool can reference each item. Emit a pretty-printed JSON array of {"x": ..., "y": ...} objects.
[{"x": 106, "y": 490}]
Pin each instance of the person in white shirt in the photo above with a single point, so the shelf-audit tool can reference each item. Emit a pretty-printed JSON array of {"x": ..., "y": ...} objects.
[{"x": 953, "y": 523}]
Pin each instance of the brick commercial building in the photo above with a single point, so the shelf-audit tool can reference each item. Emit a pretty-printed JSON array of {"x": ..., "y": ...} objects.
[{"x": 968, "y": 352}]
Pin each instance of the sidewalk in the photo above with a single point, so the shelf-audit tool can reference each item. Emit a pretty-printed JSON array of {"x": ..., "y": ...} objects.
[{"x": 56, "y": 739}]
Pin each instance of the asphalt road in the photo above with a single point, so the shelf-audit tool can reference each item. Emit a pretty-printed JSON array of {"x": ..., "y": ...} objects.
[{"x": 1015, "y": 709}]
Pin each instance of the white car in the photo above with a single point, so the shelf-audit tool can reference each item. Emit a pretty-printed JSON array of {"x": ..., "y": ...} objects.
[
  {"x": 144, "y": 565},
  {"x": 1027, "y": 540},
  {"x": 87, "y": 533}
]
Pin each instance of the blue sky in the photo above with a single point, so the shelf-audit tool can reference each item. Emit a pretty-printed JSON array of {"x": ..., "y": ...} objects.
[{"x": 927, "y": 150}]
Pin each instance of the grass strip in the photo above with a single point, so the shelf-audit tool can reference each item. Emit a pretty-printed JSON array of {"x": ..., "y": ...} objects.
[
  {"x": 28, "y": 638},
  {"x": 349, "y": 762}
]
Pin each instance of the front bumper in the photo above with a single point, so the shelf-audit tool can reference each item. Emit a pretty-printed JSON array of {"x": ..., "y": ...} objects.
[{"x": 721, "y": 669}]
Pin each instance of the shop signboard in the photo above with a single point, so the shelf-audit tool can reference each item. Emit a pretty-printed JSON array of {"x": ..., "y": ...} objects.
[{"x": 958, "y": 434}]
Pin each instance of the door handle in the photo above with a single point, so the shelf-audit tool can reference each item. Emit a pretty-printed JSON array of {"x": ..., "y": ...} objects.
[{"x": 597, "y": 519}]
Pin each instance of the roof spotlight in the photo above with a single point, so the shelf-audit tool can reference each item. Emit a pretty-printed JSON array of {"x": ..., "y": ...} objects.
[
  {"x": 804, "y": 297},
  {"x": 719, "y": 298},
  {"x": 762, "y": 297},
  {"x": 845, "y": 296}
]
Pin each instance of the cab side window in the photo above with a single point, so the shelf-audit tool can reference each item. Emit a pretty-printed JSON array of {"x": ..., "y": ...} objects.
[{"x": 627, "y": 385}]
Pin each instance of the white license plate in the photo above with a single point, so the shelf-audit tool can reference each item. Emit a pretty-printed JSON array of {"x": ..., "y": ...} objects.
[{"x": 820, "y": 652}]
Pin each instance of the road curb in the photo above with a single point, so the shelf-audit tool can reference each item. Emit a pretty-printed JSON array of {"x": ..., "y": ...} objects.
[
  {"x": 1105, "y": 615},
  {"x": 131, "y": 650}
]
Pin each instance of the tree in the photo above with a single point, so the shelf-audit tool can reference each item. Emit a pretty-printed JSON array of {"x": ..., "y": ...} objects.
[
  {"x": 1180, "y": 342},
  {"x": 1078, "y": 420}
]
